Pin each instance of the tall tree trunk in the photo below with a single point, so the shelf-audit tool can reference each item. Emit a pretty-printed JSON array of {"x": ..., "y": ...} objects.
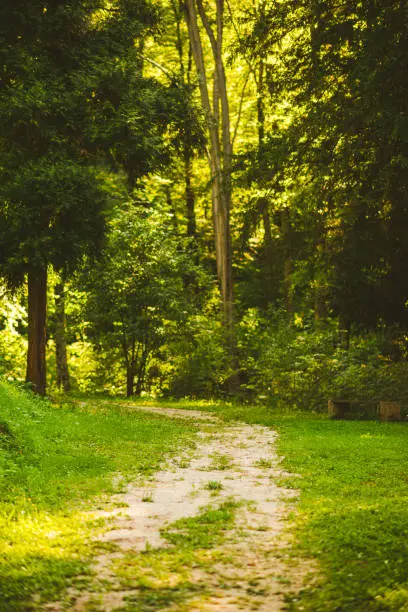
[
  {"x": 190, "y": 197},
  {"x": 320, "y": 284},
  {"x": 60, "y": 338},
  {"x": 37, "y": 312},
  {"x": 264, "y": 203},
  {"x": 287, "y": 261},
  {"x": 130, "y": 379},
  {"x": 268, "y": 249},
  {"x": 141, "y": 374},
  {"x": 188, "y": 147},
  {"x": 217, "y": 119},
  {"x": 260, "y": 110}
]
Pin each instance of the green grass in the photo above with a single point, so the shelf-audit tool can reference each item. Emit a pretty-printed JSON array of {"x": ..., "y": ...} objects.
[
  {"x": 352, "y": 515},
  {"x": 220, "y": 462},
  {"x": 214, "y": 485},
  {"x": 264, "y": 463},
  {"x": 57, "y": 461}
]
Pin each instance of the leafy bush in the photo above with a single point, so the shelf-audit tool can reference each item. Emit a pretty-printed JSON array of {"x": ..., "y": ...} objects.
[
  {"x": 304, "y": 367},
  {"x": 197, "y": 364}
]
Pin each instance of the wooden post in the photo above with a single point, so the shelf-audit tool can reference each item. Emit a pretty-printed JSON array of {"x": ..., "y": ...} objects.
[{"x": 390, "y": 411}]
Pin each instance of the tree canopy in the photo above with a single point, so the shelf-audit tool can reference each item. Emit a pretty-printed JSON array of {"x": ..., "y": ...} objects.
[{"x": 234, "y": 172}]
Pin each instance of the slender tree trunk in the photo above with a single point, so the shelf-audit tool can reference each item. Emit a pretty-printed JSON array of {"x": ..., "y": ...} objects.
[
  {"x": 142, "y": 371},
  {"x": 260, "y": 110},
  {"x": 320, "y": 285},
  {"x": 264, "y": 203},
  {"x": 60, "y": 338},
  {"x": 287, "y": 261},
  {"x": 37, "y": 312},
  {"x": 214, "y": 152},
  {"x": 268, "y": 249},
  {"x": 130, "y": 379},
  {"x": 188, "y": 148},
  {"x": 190, "y": 197},
  {"x": 224, "y": 160},
  {"x": 217, "y": 119},
  {"x": 287, "y": 282}
]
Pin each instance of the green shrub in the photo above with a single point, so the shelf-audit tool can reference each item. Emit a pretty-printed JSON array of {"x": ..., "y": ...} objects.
[
  {"x": 304, "y": 367},
  {"x": 197, "y": 361}
]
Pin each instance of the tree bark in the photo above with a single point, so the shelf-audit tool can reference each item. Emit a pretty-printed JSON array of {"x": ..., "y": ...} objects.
[
  {"x": 141, "y": 374},
  {"x": 217, "y": 119},
  {"x": 37, "y": 312},
  {"x": 130, "y": 379},
  {"x": 190, "y": 197},
  {"x": 320, "y": 284},
  {"x": 60, "y": 339},
  {"x": 287, "y": 261},
  {"x": 264, "y": 203},
  {"x": 268, "y": 249},
  {"x": 188, "y": 149}
]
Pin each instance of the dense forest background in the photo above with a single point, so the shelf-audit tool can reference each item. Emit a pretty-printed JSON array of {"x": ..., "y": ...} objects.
[{"x": 205, "y": 199}]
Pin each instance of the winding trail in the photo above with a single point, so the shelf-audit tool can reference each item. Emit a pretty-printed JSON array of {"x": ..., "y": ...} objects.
[{"x": 254, "y": 568}]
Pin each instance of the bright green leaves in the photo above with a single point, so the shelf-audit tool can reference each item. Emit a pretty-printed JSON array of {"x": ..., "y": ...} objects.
[{"x": 137, "y": 298}]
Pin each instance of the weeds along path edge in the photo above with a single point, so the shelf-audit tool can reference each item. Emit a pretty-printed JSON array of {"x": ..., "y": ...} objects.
[{"x": 207, "y": 532}]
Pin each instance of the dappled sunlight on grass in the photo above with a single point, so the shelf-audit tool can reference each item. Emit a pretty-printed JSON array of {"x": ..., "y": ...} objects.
[
  {"x": 353, "y": 510},
  {"x": 58, "y": 461},
  {"x": 40, "y": 553}
]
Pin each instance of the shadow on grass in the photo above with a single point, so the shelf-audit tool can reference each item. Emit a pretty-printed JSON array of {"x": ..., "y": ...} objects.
[
  {"x": 32, "y": 579},
  {"x": 55, "y": 461},
  {"x": 148, "y": 599}
]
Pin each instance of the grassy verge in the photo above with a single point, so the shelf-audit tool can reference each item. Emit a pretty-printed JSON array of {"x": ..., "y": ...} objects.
[
  {"x": 54, "y": 461},
  {"x": 353, "y": 513},
  {"x": 353, "y": 510}
]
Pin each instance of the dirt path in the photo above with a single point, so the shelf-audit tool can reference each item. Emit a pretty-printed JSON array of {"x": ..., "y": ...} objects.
[{"x": 249, "y": 570}]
